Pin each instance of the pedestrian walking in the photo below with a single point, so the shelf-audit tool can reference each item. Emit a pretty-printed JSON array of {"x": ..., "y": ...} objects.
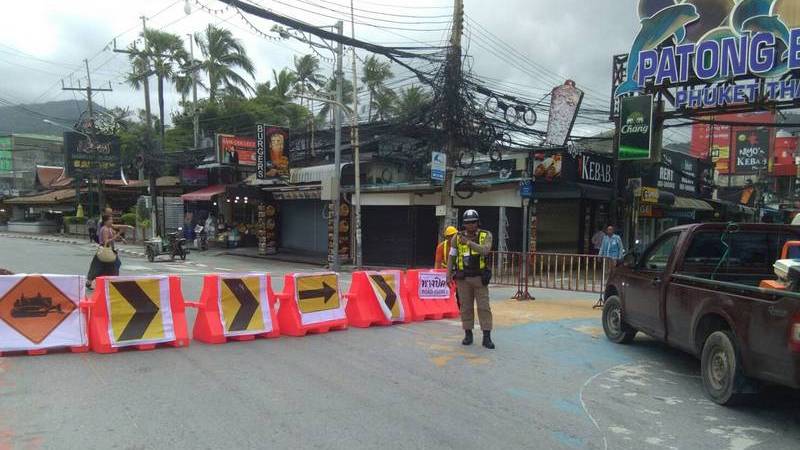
[
  {"x": 107, "y": 237},
  {"x": 443, "y": 249},
  {"x": 469, "y": 250},
  {"x": 612, "y": 246}
]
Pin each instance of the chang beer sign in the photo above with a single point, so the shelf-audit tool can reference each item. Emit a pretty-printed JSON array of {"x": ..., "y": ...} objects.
[
  {"x": 700, "y": 46},
  {"x": 636, "y": 128}
]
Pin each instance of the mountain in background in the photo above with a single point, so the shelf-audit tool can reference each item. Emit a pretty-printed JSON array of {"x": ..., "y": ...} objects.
[{"x": 29, "y": 118}]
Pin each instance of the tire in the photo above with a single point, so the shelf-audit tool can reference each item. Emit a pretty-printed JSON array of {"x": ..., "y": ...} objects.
[
  {"x": 150, "y": 255},
  {"x": 721, "y": 369},
  {"x": 183, "y": 256},
  {"x": 617, "y": 331}
]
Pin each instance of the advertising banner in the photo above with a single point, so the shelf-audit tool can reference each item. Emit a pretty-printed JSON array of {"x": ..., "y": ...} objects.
[
  {"x": 271, "y": 159},
  {"x": 99, "y": 157},
  {"x": 438, "y": 166},
  {"x": 751, "y": 150},
  {"x": 595, "y": 169},
  {"x": 636, "y": 128},
  {"x": 236, "y": 150},
  {"x": 713, "y": 140}
]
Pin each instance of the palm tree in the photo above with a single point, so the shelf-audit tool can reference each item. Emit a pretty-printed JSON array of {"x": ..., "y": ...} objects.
[
  {"x": 223, "y": 54},
  {"x": 385, "y": 103},
  {"x": 284, "y": 80},
  {"x": 413, "y": 101},
  {"x": 374, "y": 74},
  {"x": 166, "y": 55},
  {"x": 330, "y": 92},
  {"x": 307, "y": 76}
]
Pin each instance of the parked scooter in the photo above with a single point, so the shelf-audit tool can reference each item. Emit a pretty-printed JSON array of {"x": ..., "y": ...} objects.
[{"x": 174, "y": 245}]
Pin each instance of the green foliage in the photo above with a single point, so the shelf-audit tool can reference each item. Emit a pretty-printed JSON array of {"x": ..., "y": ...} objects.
[
  {"x": 413, "y": 101},
  {"x": 223, "y": 54},
  {"x": 375, "y": 74},
  {"x": 129, "y": 219}
]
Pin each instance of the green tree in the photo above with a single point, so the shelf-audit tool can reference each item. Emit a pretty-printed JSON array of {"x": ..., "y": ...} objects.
[
  {"x": 329, "y": 91},
  {"x": 166, "y": 56},
  {"x": 385, "y": 104},
  {"x": 412, "y": 102},
  {"x": 223, "y": 55},
  {"x": 374, "y": 75},
  {"x": 307, "y": 76}
]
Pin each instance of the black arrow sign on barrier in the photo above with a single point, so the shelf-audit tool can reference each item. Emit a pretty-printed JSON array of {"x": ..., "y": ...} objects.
[
  {"x": 391, "y": 296},
  {"x": 249, "y": 303},
  {"x": 146, "y": 310},
  {"x": 326, "y": 292}
]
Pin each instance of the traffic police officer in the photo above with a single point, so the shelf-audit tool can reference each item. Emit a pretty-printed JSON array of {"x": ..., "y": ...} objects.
[{"x": 469, "y": 250}]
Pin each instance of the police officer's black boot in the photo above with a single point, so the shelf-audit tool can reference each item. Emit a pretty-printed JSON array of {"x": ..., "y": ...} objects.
[
  {"x": 487, "y": 340},
  {"x": 467, "y": 338}
]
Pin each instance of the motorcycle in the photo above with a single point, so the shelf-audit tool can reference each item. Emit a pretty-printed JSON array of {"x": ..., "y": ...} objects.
[{"x": 173, "y": 245}]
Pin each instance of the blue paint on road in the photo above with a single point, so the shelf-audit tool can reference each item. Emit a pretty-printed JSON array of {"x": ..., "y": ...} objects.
[{"x": 568, "y": 440}]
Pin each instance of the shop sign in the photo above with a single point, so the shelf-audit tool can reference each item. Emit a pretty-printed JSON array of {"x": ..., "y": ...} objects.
[
  {"x": 650, "y": 195},
  {"x": 677, "y": 173},
  {"x": 99, "y": 156},
  {"x": 712, "y": 138},
  {"x": 271, "y": 159},
  {"x": 6, "y": 164},
  {"x": 595, "y": 169},
  {"x": 757, "y": 43},
  {"x": 785, "y": 148},
  {"x": 314, "y": 194},
  {"x": 636, "y": 128},
  {"x": 648, "y": 210},
  {"x": 236, "y": 150},
  {"x": 752, "y": 150}
]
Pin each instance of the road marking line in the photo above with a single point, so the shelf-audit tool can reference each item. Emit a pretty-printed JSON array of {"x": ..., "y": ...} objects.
[
  {"x": 222, "y": 269},
  {"x": 583, "y": 403}
]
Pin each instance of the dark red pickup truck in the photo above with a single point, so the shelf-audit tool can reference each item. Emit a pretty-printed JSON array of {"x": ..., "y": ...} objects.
[{"x": 697, "y": 288}]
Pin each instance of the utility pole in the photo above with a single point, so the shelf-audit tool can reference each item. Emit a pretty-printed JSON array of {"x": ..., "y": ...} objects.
[
  {"x": 195, "y": 118},
  {"x": 337, "y": 150},
  {"x": 92, "y": 131},
  {"x": 354, "y": 141},
  {"x": 452, "y": 89},
  {"x": 152, "y": 187}
]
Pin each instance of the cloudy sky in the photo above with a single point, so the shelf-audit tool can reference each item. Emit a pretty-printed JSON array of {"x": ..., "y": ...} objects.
[{"x": 524, "y": 45}]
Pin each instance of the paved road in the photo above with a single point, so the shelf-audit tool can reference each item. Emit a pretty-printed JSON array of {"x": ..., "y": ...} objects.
[{"x": 553, "y": 382}]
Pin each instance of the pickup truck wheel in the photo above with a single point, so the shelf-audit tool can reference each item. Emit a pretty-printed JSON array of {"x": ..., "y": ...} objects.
[
  {"x": 721, "y": 369},
  {"x": 617, "y": 331}
]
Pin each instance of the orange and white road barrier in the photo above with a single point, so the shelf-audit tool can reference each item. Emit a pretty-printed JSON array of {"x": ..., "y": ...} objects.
[
  {"x": 376, "y": 298},
  {"x": 236, "y": 307},
  {"x": 430, "y": 296},
  {"x": 39, "y": 313},
  {"x": 138, "y": 312},
  {"x": 311, "y": 303}
]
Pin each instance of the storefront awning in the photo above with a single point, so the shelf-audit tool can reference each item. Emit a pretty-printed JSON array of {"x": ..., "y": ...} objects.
[
  {"x": 691, "y": 203},
  {"x": 314, "y": 174},
  {"x": 205, "y": 194}
]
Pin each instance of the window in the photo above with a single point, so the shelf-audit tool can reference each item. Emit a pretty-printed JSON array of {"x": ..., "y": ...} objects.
[
  {"x": 743, "y": 257},
  {"x": 657, "y": 256}
]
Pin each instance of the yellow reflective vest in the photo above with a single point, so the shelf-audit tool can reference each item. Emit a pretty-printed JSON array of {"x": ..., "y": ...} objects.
[{"x": 464, "y": 249}]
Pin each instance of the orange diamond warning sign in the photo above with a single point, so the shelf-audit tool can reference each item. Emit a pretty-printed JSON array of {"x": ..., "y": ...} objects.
[{"x": 35, "y": 307}]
